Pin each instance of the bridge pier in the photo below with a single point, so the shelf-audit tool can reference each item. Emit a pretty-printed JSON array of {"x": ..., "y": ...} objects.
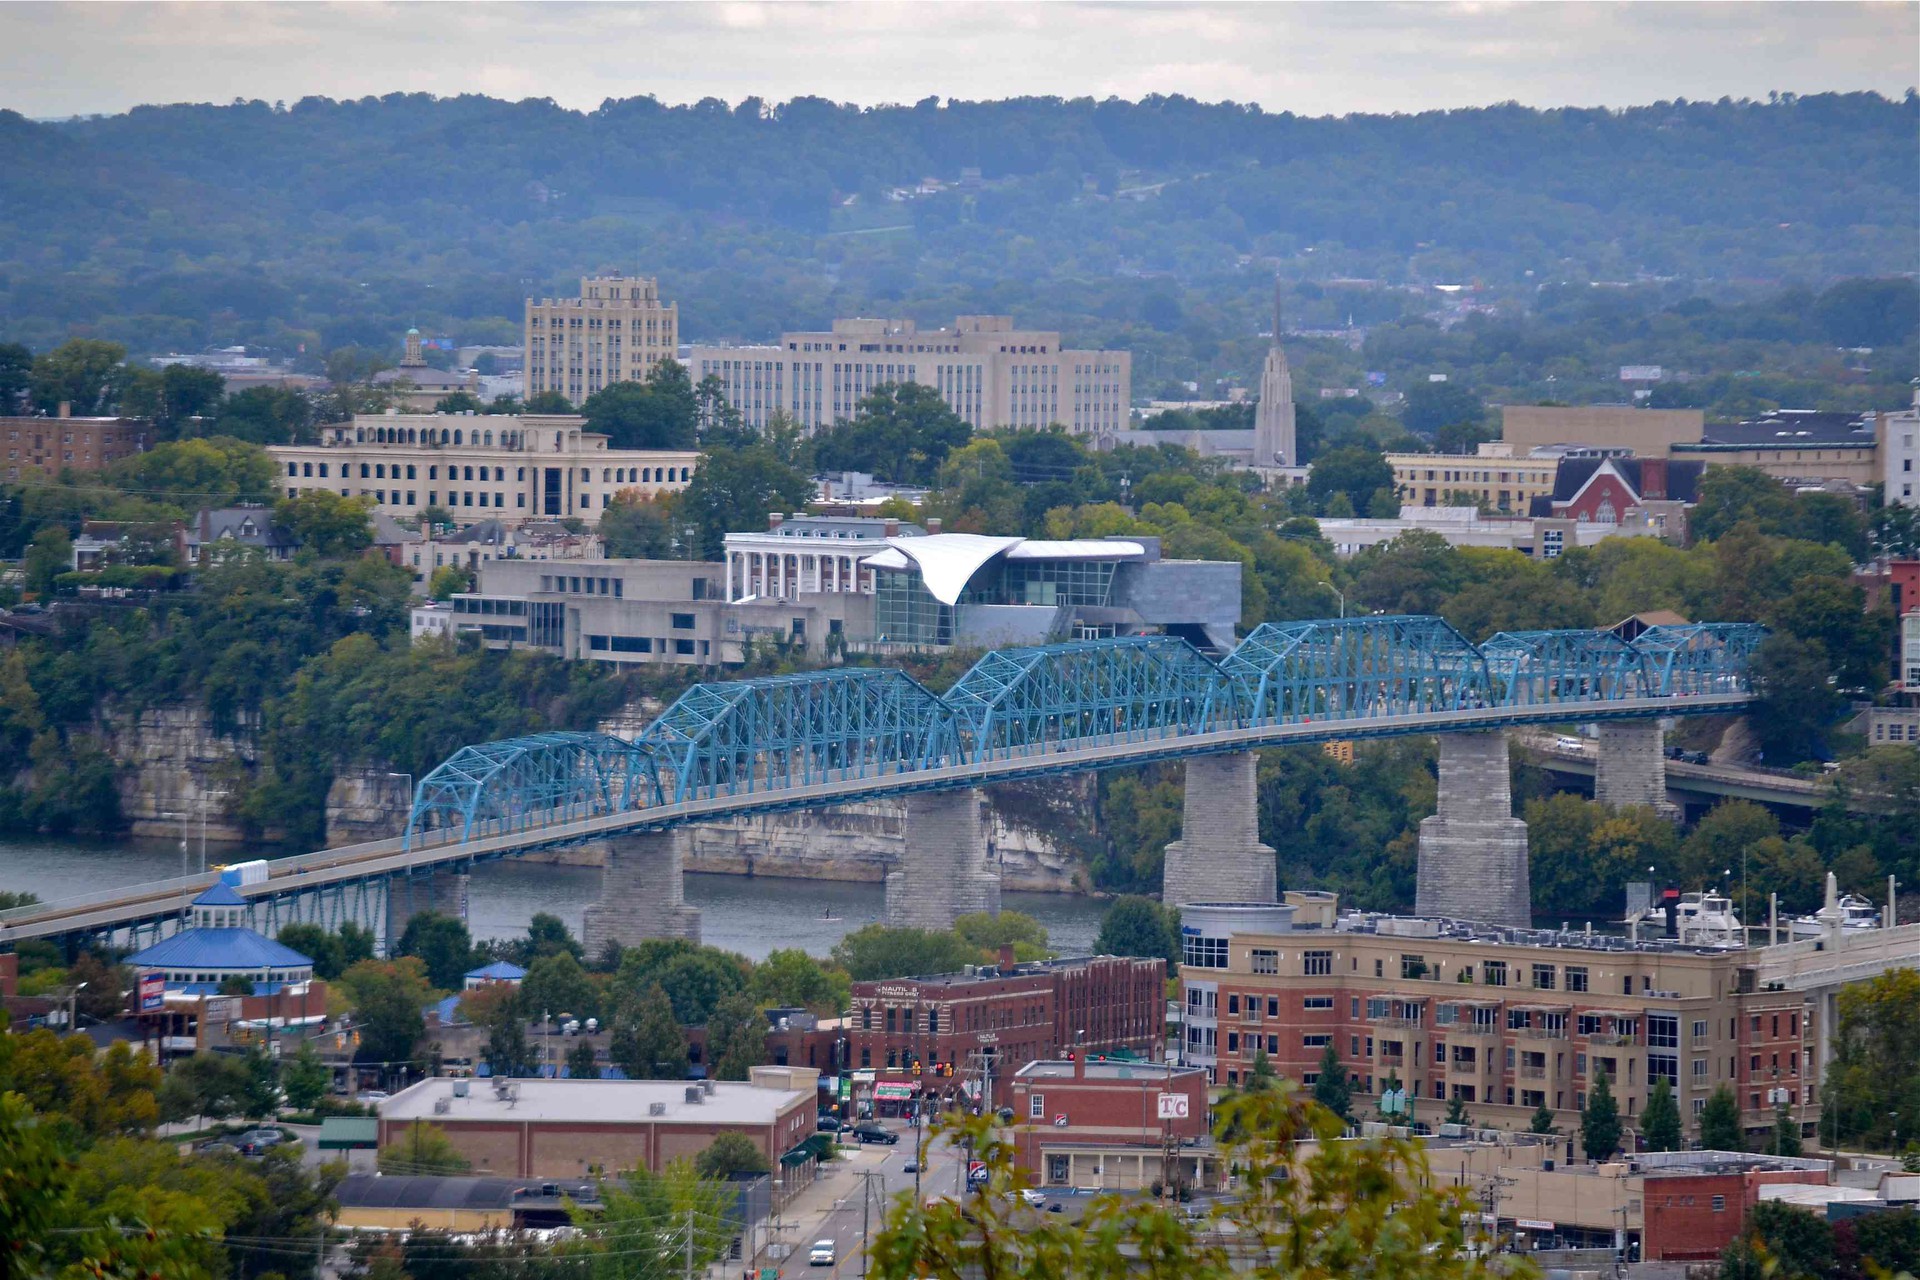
[
  {"x": 945, "y": 865},
  {"x": 642, "y": 893},
  {"x": 408, "y": 894},
  {"x": 1219, "y": 857},
  {"x": 1473, "y": 852},
  {"x": 1631, "y": 767}
]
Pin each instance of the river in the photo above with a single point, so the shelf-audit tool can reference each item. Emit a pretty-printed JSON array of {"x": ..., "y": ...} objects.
[{"x": 751, "y": 916}]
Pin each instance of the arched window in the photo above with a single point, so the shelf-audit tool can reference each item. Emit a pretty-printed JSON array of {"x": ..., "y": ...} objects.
[
  {"x": 1605, "y": 513},
  {"x": 499, "y": 473},
  {"x": 456, "y": 436},
  {"x": 606, "y": 475},
  {"x": 489, "y": 437},
  {"x": 469, "y": 473}
]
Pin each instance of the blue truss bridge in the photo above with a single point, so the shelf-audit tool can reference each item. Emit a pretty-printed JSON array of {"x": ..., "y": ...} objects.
[{"x": 729, "y": 748}]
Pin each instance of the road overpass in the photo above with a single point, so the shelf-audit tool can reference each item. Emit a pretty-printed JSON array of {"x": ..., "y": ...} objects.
[
  {"x": 743, "y": 747},
  {"x": 1711, "y": 781}
]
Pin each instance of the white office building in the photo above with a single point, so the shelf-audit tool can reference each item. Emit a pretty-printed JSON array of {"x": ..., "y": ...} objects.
[
  {"x": 800, "y": 555},
  {"x": 1900, "y": 454},
  {"x": 987, "y": 371},
  {"x": 506, "y": 467}
]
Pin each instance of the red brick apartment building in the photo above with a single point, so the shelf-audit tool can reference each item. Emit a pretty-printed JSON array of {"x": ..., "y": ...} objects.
[
  {"x": 937, "y": 1031},
  {"x": 1504, "y": 1020},
  {"x": 1098, "y": 1124},
  {"x": 53, "y": 445}
]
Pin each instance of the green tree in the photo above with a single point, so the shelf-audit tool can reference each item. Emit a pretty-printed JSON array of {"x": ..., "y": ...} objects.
[
  {"x": 1872, "y": 1077},
  {"x": 548, "y": 935},
  {"x": 1730, "y": 495},
  {"x": 387, "y": 998},
  {"x": 1371, "y": 1211},
  {"x": 582, "y": 1064},
  {"x": 1720, "y": 1127},
  {"x": 660, "y": 413},
  {"x": 736, "y": 1038},
  {"x": 789, "y": 977},
  {"x": 459, "y": 402},
  {"x": 901, "y": 431},
  {"x": 1795, "y": 699},
  {"x": 1331, "y": 1088},
  {"x": 266, "y": 415},
  {"x": 442, "y": 944},
  {"x": 1137, "y": 926},
  {"x": 548, "y": 402},
  {"x": 1600, "y": 1121},
  {"x": 648, "y": 1043},
  {"x": 1457, "y": 1111},
  {"x": 735, "y": 489},
  {"x": 1432, "y": 406},
  {"x": 191, "y": 474},
  {"x": 1780, "y": 1240},
  {"x": 326, "y": 523},
  {"x": 1353, "y": 471},
  {"x": 84, "y": 373},
  {"x": 260, "y": 1096},
  {"x": 1543, "y": 1121},
  {"x": 556, "y": 984},
  {"x": 990, "y": 931},
  {"x": 449, "y": 580},
  {"x": 425, "y": 1150},
  {"x": 728, "y": 1154},
  {"x": 1260, "y": 1074},
  {"x": 638, "y": 528},
  {"x": 1660, "y": 1122},
  {"x": 16, "y": 376},
  {"x": 877, "y": 951},
  {"x": 50, "y": 556},
  {"x": 306, "y": 1079}
]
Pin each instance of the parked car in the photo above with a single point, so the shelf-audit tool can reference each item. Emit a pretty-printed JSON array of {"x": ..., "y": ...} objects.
[
  {"x": 255, "y": 1141},
  {"x": 821, "y": 1255},
  {"x": 828, "y": 1124},
  {"x": 910, "y": 1167},
  {"x": 874, "y": 1133},
  {"x": 1032, "y": 1197}
]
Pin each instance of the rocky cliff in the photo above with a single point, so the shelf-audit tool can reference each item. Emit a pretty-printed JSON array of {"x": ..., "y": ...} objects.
[{"x": 175, "y": 768}]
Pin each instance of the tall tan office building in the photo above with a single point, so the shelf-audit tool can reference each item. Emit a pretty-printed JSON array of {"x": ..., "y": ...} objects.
[
  {"x": 987, "y": 371},
  {"x": 617, "y": 330}
]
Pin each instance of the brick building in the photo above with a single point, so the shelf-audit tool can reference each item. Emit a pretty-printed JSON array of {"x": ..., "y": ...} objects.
[
  {"x": 53, "y": 445},
  {"x": 1503, "y": 1019},
  {"x": 1091, "y": 1123},
  {"x": 542, "y": 1128},
  {"x": 943, "y": 1031},
  {"x": 1691, "y": 1211}
]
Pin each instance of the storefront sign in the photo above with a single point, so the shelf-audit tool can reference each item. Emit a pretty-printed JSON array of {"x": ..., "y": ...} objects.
[
  {"x": 153, "y": 992},
  {"x": 892, "y": 1092}
]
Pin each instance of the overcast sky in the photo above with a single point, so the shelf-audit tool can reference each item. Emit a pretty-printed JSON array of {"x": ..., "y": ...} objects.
[{"x": 63, "y": 59}]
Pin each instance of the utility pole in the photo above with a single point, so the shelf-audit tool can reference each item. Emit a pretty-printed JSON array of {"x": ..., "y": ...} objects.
[
  {"x": 1167, "y": 1146},
  {"x": 689, "y": 1273},
  {"x": 867, "y": 1196}
]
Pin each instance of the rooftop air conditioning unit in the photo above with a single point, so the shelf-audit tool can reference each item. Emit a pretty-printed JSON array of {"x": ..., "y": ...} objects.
[
  {"x": 656, "y": 1108},
  {"x": 442, "y": 1105},
  {"x": 707, "y": 1087},
  {"x": 460, "y": 1088},
  {"x": 695, "y": 1095}
]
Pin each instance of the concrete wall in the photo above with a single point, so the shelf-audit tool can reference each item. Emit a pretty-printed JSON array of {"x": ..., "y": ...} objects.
[
  {"x": 1219, "y": 857},
  {"x": 1473, "y": 852},
  {"x": 1648, "y": 432}
]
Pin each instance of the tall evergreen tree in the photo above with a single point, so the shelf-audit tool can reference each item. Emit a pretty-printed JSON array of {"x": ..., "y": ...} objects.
[
  {"x": 1600, "y": 1121},
  {"x": 1720, "y": 1128},
  {"x": 1786, "y": 1133},
  {"x": 1331, "y": 1089},
  {"x": 1457, "y": 1111},
  {"x": 1543, "y": 1121},
  {"x": 1660, "y": 1123}
]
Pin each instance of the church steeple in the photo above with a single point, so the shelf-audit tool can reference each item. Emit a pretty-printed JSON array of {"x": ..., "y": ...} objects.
[
  {"x": 1273, "y": 425},
  {"x": 413, "y": 359}
]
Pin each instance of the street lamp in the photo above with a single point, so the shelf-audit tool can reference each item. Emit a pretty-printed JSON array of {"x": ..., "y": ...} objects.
[
  {"x": 1338, "y": 594},
  {"x": 73, "y": 1011}
]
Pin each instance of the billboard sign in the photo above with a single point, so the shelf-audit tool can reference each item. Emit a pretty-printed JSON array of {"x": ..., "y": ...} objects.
[
  {"x": 153, "y": 992},
  {"x": 1640, "y": 372},
  {"x": 1174, "y": 1106}
]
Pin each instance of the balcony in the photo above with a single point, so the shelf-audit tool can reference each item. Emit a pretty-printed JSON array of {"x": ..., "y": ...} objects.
[
  {"x": 1485, "y": 1031},
  {"x": 1533, "y": 1073},
  {"x": 1600, "y": 1038},
  {"x": 1544, "y": 1033}
]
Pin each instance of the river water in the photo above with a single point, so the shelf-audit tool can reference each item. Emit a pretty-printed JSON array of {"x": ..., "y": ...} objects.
[{"x": 751, "y": 916}]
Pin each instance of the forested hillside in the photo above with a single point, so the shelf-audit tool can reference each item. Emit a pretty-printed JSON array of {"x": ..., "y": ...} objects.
[{"x": 1153, "y": 224}]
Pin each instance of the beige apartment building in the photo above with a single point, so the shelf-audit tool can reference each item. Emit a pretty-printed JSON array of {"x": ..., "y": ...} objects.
[
  {"x": 617, "y": 330},
  {"x": 506, "y": 467},
  {"x": 1503, "y": 1019},
  {"x": 988, "y": 372},
  {"x": 1494, "y": 476}
]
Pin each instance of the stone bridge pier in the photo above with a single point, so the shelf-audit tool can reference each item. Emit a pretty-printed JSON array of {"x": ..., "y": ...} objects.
[
  {"x": 1473, "y": 852},
  {"x": 947, "y": 868},
  {"x": 442, "y": 890},
  {"x": 1219, "y": 857},
  {"x": 642, "y": 892},
  {"x": 1631, "y": 767}
]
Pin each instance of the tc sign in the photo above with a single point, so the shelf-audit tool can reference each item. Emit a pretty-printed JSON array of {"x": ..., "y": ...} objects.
[{"x": 1173, "y": 1106}]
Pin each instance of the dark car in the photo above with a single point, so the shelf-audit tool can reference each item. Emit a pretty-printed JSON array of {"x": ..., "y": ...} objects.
[
  {"x": 874, "y": 1133},
  {"x": 828, "y": 1124}
]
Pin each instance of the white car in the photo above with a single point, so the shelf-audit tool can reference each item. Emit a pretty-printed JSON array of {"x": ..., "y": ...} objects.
[
  {"x": 1037, "y": 1199},
  {"x": 1569, "y": 744},
  {"x": 821, "y": 1255}
]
